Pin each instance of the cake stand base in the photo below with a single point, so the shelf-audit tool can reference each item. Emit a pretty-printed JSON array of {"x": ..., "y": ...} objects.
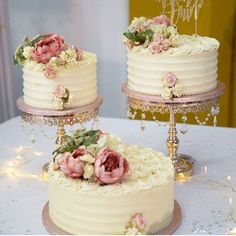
[
  {"x": 187, "y": 158},
  {"x": 53, "y": 229}
]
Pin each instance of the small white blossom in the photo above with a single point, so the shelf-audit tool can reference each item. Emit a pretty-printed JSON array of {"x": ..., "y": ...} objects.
[
  {"x": 69, "y": 57},
  {"x": 27, "y": 53},
  {"x": 88, "y": 171},
  {"x": 166, "y": 93},
  {"x": 87, "y": 158},
  {"x": 178, "y": 90}
]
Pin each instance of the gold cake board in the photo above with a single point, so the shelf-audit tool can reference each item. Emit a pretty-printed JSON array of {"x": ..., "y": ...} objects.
[{"x": 53, "y": 229}]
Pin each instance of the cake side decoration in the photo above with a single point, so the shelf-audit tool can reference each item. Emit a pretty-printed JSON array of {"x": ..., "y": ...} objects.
[
  {"x": 137, "y": 225},
  {"x": 170, "y": 87},
  {"x": 79, "y": 158},
  {"x": 50, "y": 51},
  {"x": 60, "y": 97}
]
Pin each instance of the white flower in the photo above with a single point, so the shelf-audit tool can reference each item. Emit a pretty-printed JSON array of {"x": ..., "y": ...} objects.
[
  {"x": 160, "y": 29},
  {"x": 88, "y": 158},
  {"x": 88, "y": 171},
  {"x": 133, "y": 231},
  {"x": 178, "y": 90},
  {"x": 172, "y": 30},
  {"x": 58, "y": 102},
  {"x": 69, "y": 57},
  {"x": 27, "y": 53},
  {"x": 136, "y": 23},
  {"x": 175, "y": 40},
  {"x": 166, "y": 93}
]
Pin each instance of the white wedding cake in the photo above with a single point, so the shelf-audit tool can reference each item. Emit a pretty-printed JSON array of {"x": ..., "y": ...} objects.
[
  {"x": 163, "y": 62},
  {"x": 56, "y": 75},
  {"x": 99, "y": 185}
]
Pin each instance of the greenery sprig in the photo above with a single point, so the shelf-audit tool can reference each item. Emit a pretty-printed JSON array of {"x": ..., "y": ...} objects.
[
  {"x": 81, "y": 137},
  {"x": 18, "y": 58},
  {"x": 139, "y": 38}
]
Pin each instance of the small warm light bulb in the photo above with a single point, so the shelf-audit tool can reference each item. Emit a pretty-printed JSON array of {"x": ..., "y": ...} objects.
[
  {"x": 205, "y": 170},
  {"x": 229, "y": 177}
]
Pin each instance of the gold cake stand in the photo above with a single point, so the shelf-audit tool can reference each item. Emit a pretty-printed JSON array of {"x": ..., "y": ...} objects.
[
  {"x": 58, "y": 118},
  {"x": 185, "y": 104}
]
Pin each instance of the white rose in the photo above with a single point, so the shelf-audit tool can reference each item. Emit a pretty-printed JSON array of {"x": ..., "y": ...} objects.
[
  {"x": 27, "y": 53},
  {"x": 160, "y": 29},
  {"x": 88, "y": 171},
  {"x": 166, "y": 93},
  {"x": 172, "y": 30},
  {"x": 178, "y": 90}
]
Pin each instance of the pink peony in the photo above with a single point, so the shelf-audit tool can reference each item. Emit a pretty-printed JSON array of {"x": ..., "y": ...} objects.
[
  {"x": 50, "y": 71},
  {"x": 49, "y": 46},
  {"x": 110, "y": 166},
  {"x": 59, "y": 91},
  {"x": 140, "y": 220},
  {"x": 70, "y": 163},
  {"x": 170, "y": 79},
  {"x": 163, "y": 19},
  {"x": 155, "y": 47}
]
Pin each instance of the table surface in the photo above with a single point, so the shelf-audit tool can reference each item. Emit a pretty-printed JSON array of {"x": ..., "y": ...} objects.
[{"x": 208, "y": 199}]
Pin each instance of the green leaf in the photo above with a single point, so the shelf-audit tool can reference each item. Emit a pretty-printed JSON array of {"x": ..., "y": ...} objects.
[
  {"x": 129, "y": 35},
  {"x": 15, "y": 61},
  {"x": 37, "y": 39},
  {"x": 149, "y": 34}
]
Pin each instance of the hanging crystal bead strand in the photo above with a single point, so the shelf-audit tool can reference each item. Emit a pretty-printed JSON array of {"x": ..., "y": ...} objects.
[
  {"x": 142, "y": 126},
  {"x": 32, "y": 136},
  {"x": 214, "y": 112},
  {"x": 184, "y": 128}
]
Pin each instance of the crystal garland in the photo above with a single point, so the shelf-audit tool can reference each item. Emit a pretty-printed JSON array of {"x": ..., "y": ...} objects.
[{"x": 184, "y": 129}]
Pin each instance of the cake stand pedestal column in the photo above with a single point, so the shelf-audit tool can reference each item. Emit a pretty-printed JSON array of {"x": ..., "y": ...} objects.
[
  {"x": 58, "y": 118},
  {"x": 186, "y": 104}
]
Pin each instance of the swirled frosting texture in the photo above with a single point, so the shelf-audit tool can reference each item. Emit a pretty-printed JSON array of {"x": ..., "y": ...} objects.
[
  {"x": 80, "y": 80},
  {"x": 80, "y": 207},
  {"x": 194, "y": 62}
]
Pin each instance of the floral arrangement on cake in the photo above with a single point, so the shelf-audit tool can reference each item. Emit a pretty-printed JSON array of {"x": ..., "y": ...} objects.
[
  {"x": 136, "y": 225},
  {"x": 48, "y": 51},
  {"x": 158, "y": 34},
  {"x": 88, "y": 155}
]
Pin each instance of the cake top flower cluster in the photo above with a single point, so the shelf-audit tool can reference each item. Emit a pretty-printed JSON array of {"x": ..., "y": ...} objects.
[
  {"x": 157, "y": 34},
  {"x": 50, "y": 51},
  {"x": 88, "y": 156}
]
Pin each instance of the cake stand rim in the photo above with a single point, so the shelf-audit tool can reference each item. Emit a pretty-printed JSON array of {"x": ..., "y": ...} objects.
[
  {"x": 218, "y": 91},
  {"x": 53, "y": 229},
  {"x": 22, "y": 106}
]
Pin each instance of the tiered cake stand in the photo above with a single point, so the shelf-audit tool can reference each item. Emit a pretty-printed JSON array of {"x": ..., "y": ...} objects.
[
  {"x": 187, "y": 104},
  {"x": 59, "y": 118}
]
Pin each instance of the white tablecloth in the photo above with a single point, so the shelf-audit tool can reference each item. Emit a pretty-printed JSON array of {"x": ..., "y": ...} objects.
[{"x": 208, "y": 200}]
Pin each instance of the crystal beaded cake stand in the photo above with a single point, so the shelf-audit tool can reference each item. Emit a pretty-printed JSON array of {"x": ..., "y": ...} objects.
[
  {"x": 59, "y": 118},
  {"x": 185, "y": 104}
]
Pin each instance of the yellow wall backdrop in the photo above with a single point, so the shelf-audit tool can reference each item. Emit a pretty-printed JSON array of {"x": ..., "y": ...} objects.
[{"x": 217, "y": 19}]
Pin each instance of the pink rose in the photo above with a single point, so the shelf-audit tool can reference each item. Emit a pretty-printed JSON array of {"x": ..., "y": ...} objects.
[
  {"x": 70, "y": 163},
  {"x": 49, "y": 46},
  {"x": 163, "y": 19},
  {"x": 79, "y": 53},
  {"x": 110, "y": 166},
  {"x": 140, "y": 220},
  {"x": 170, "y": 79},
  {"x": 155, "y": 47},
  {"x": 50, "y": 71},
  {"x": 59, "y": 91},
  {"x": 158, "y": 38},
  {"x": 166, "y": 44}
]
